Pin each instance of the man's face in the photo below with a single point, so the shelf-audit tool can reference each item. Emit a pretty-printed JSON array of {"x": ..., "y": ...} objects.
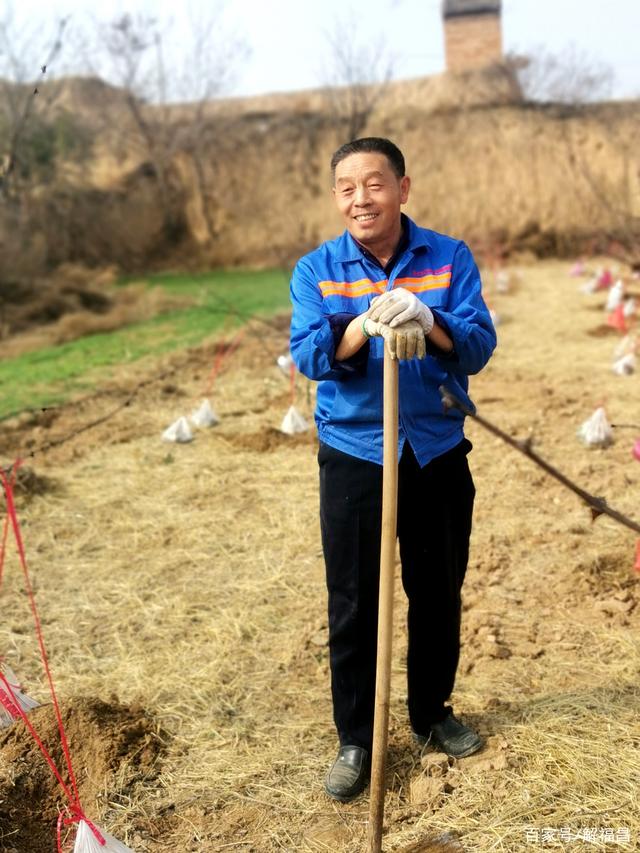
[{"x": 369, "y": 194}]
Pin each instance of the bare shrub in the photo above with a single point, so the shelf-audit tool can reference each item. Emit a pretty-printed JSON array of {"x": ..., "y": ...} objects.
[
  {"x": 572, "y": 77},
  {"x": 357, "y": 76}
]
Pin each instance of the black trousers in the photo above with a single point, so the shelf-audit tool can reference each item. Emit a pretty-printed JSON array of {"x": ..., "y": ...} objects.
[{"x": 435, "y": 506}]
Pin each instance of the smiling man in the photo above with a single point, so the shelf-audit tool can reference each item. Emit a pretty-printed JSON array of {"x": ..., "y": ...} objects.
[
  {"x": 387, "y": 282},
  {"x": 369, "y": 195}
]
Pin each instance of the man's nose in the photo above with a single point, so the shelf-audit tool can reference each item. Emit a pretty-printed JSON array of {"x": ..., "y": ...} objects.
[{"x": 362, "y": 196}]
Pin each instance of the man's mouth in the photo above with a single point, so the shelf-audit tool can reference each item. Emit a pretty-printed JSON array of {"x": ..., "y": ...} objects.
[{"x": 365, "y": 217}]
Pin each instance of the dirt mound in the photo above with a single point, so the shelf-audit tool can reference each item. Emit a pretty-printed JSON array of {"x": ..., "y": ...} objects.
[
  {"x": 31, "y": 302},
  {"x": 442, "y": 844},
  {"x": 270, "y": 439},
  {"x": 112, "y": 748},
  {"x": 74, "y": 302},
  {"x": 29, "y": 483}
]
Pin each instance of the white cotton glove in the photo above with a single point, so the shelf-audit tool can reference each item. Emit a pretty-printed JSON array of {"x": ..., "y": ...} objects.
[
  {"x": 397, "y": 306},
  {"x": 403, "y": 342}
]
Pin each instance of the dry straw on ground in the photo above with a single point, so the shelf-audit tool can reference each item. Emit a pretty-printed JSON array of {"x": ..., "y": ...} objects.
[{"x": 188, "y": 580}]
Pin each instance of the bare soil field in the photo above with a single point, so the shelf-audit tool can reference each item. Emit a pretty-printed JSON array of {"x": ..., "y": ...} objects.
[{"x": 181, "y": 589}]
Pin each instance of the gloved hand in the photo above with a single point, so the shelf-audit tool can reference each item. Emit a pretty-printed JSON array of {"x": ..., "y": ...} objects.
[
  {"x": 397, "y": 306},
  {"x": 403, "y": 342}
]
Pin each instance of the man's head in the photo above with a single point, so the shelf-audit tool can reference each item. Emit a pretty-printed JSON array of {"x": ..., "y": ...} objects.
[
  {"x": 370, "y": 145},
  {"x": 370, "y": 186}
]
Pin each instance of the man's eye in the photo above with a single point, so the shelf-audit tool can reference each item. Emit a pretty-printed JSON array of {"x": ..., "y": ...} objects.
[
  {"x": 347, "y": 190},
  {"x": 375, "y": 186}
]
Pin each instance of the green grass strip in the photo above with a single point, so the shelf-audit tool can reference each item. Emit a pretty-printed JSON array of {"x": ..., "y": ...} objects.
[{"x": 222, "y": 300}]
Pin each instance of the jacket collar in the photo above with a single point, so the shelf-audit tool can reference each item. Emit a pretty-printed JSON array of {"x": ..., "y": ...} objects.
[{"x": 346, "y": 248}]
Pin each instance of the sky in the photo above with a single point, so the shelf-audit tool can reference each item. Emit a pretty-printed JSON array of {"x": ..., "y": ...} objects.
[{"x": 288, "y": 47}]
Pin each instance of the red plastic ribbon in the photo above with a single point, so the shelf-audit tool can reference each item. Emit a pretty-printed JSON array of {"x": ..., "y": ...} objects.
[
  {"x": 223, "y": 353},
  {"x": 19, "y": 712},
  {"x": 72, "y": 794},
  {"x": 3, "y": 545},
  {"x": 5, "y": 529},
  {"x": 5, "y": 699},
  {"x": 617, "y": 320},
  {"x": 75, "y": 816},
  {"x": 292, "y": 379}
]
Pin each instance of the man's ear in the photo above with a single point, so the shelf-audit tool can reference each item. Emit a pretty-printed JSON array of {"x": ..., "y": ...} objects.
[{"x": 405, "y": 186}]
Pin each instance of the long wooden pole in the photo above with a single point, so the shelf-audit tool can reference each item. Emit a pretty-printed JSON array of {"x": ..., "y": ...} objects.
[{"x": 385, "y": 606}]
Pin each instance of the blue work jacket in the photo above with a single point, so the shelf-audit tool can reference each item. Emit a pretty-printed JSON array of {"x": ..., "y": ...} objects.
[{"x": 335, "y": 283}]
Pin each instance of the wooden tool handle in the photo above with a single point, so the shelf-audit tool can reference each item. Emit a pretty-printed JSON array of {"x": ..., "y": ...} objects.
[{"x": 385, "y": 605}]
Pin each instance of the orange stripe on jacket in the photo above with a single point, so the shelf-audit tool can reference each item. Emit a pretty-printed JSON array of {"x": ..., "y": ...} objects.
[
  {"x": 352, "y": 289},
  {"x": 426, "y": 282}
]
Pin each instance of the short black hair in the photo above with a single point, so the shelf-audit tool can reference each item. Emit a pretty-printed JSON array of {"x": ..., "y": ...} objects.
[{"x": 370, "y": 144}]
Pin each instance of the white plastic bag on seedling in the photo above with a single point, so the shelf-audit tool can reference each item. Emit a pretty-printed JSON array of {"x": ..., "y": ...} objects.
[
  {"x": 204, "y": 416},
  {"x": 615, "y": 296},
  {"x": 503, "y": 282},
  {"x": 293, "y": 422},
  {"x": 629, "y": 307},
  {"x": 86, "y": 841},
  {"x": 596, "y": 431},
  {"x": 590, "y": 285},
  {"x": 628, "y": 344},
  {"x": 12, "y": 696},
  {"x": 626, "y": 365},
  {"x": 179, "y": 431},
  {"x": 285, "y": 362}
]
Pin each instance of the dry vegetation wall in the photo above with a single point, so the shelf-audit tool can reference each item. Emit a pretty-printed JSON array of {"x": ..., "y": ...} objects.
[
  {"x": 547, "y": 180},
  {"x": 251, "y": 185}
]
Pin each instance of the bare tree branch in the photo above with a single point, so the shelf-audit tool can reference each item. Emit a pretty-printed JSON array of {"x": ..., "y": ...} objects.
[
  {"x": 21, "y": 116},
  {"x": 572, "y": 77},
  {"x": 358, "y": 74},
  {"x": 169, "y": 100}
]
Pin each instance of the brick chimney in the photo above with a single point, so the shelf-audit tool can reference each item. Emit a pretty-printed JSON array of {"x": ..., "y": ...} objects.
[{"x": 472, "y": 32}]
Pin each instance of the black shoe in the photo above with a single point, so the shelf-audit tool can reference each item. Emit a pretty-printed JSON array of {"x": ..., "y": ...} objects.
[
  {"x": 452, "y": 737},
  {"x": 349, "y": 774}
]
